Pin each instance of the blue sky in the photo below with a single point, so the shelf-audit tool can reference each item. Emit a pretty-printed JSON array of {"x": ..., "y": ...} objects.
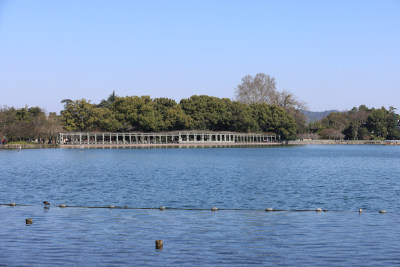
[{"x": 331, "y": 54}]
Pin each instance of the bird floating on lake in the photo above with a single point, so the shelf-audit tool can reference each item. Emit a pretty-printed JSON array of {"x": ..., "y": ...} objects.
[{"x": 46, "y": 204}]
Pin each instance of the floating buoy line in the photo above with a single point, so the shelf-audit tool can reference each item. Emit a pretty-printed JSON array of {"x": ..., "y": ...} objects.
[
  {"x": 159, "y": 243},
  {"x": 163, "y": 208}
]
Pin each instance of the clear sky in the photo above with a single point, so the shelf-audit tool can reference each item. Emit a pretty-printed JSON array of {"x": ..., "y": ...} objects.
[{"x": 332, "y": 54}]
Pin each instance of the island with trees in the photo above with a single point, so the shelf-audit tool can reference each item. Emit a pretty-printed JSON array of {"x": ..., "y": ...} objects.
[{"x": 258, "y": 107}]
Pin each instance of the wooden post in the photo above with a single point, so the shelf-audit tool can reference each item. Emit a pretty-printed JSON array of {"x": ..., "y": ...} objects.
[{"x": 159, "y": 244}]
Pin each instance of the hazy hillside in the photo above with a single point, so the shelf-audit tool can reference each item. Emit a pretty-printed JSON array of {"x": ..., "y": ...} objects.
[{"x": 316, "y": 115}]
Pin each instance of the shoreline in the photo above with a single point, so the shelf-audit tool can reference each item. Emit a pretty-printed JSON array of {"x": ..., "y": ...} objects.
[
  {"x": 198, "y": 145},
  {"x": 220, "y": 145},
  {"x": 336, "y": 142},
  {"x": 27, "y": 146}
]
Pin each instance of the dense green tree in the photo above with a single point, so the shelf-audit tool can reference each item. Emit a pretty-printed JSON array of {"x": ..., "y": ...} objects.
[
  {"x": 377, "y": 123},
  {"x": 242, "y": 119},
  {"x": 161, "y": 107},
  {"x": 103, "y": 119},
  {"x": 382, "y": 124},
  {"x": 177, "y": 119},
  {"x": 355, "y": 131},
  {"x": 336, "y": 120},
  {"x": 274, "y": 119},
  {"x": 81, "y": 115},
  {"x": 77, "y": 115},
  {"x": 207, "y": 112},
  {"x": 138, "y": 113}
]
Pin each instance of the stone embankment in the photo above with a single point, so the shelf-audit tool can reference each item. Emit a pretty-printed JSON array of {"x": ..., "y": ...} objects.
[
  {"x": 335, "y": 142},
  {"x": 292, "y": 142},
  {"x": 27, "y": 146}
]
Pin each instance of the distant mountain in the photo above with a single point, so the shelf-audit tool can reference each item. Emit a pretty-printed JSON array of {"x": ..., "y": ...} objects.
[{"x": 313, "y": 116}]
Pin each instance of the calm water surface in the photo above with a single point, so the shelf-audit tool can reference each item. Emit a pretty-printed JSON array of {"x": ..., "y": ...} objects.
[{"x": 240, "y": 181}]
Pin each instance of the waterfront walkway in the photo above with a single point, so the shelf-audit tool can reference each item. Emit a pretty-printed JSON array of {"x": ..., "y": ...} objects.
[{"x": 165, "y": 138}]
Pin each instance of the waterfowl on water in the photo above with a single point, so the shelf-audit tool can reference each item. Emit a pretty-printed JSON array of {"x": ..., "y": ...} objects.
[{"x": 46, "y": 204}]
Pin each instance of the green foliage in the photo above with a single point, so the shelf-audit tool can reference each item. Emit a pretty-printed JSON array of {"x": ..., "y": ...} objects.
[
  {"x": 177, "y": 119},
  {"x": 207, "y": 112},
  {"x": 382, "y": 124},
  {"x": 76, "y": 115},
  {"x": 271, "y": 118},
  {"x": 134, "y": 113},
  {"x": 354, "y": 131},
  {"x": 242, "y": 119},
  {"x": 359, "y": 123}
]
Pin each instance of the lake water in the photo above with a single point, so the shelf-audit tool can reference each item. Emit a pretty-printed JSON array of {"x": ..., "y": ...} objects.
[{"x": 241, "y": 182}]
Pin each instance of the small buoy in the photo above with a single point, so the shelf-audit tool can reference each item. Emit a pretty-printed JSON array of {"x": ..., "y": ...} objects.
[
  {"x": 29, "y": 221},
  {"x": 62, "y": 205},
  {"x": 214, "y": 209},
  {"x": 159, "y": 244},
  {"x": 318, "y": 210},
  {"x": 269, "y": 209},
  {"x": 13, "y": 204},
  {"x": 382, "y": 211},
  {"x": 111, "y": 206},
  {"x": 162, "y": 208},
  {"x": 360, "y": 210}
]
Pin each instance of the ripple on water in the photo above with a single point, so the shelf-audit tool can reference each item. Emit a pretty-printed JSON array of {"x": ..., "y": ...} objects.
[{"x": 343, "y": 178}]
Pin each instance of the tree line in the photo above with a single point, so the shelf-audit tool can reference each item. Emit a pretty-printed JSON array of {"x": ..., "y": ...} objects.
[
  {"x": 360, "y": 123},
  {"x": 28, "y": 124},
  {"x": 259, "y": 107},
  {"x": 144, "y": 114}
]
